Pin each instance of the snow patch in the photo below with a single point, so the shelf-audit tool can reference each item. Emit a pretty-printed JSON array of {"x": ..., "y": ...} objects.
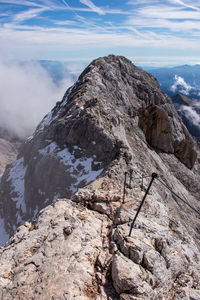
[
  {"x": 16, "y": 178},
  {"x": 29, "y": 138},
  {"x": 66, "y": 97},
  {"x": 48, "y": 149},
  {"x": 46, "y": 121},
  {"x": 80, "y": 169},
  {"x": 77, "y": 148},
  {"x": 68, "y": 93}
]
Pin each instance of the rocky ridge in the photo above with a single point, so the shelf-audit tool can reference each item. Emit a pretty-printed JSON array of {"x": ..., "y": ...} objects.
[{"x": 110, "y": 122}]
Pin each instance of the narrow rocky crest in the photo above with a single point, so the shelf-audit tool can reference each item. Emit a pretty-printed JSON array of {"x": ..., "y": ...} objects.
[{"x": 115, "y": 119}]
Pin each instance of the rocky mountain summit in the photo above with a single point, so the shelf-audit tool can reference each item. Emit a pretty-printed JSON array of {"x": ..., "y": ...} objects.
[{"x": 67, "y": 185}]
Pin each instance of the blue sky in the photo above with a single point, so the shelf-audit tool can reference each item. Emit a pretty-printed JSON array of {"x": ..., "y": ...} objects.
[{"x": 149, "y": 32}]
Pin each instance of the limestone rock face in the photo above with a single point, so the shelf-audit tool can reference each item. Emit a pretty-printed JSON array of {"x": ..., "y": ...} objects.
[
  {"x": 85, "y": 132},
  {"x": 53, "y": 257},
  {"x": 75, "y": 251},
  {"x": 115, "y": 119},
  {"x": 166, "y": 133}
]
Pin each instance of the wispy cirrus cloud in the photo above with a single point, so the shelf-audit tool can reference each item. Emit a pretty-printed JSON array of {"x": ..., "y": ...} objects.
[
  {"x": 40, "y": 3},
  {"x": 185, "y": 4},
  {"x": 93, "y": 7},
  {"x": 168, "y": 17},
  {"x": 22, "y": 2},
  {"x": 28, "y": 14},
  {"x": 25, "y": 38},
  {"x": 65, "y": 22},
  {"x": 177, "y": 26},
  {"x": 66, "y": 27},
  {"x": 169, "y": 12}
]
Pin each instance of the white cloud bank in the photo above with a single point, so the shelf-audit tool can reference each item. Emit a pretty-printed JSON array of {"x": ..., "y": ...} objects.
[
  {"x": 191, "y": 114},
  {"x": 27, "y": 93},
  {"x": 179, "y": 81}
]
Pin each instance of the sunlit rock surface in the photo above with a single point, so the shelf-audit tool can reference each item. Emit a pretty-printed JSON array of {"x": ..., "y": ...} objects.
[{"x": 80, "y": 248}]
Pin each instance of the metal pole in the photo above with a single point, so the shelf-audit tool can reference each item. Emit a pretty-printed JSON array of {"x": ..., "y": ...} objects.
[
  {"x": 154, "y": 175},
  {"x": 130, "y": 180},
  {"x": 125, "y": 174},
  {"x": 142, "y": 186}
]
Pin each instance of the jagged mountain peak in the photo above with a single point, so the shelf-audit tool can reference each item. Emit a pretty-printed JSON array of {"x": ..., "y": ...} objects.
[
  {"x": 115, "y": 119},
  {"x": 111, "y": 73},
  {"x": 95, "y": 124},
  {"x": 111, "y": 88}
]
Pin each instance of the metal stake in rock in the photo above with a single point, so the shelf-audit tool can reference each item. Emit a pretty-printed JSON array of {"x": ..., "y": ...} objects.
[
  {"x": 130, "y": 178},
  {"x": 124, "y": 194},
  {"x": 154, "y": 175}
]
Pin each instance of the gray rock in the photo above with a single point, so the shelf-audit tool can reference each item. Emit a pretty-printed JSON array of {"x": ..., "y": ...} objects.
[
  {"x": 81, "y": 248},
  {"x": 94, "y": 125},
  {"x": 39, "y": 265},
  {"x": 129, "y": 297},
  {"x": 164, "y": 131},
  {"x": 187, "y": 294},
  {"x": 156, "y": 264},
  {"x": 129, "y": 277}
]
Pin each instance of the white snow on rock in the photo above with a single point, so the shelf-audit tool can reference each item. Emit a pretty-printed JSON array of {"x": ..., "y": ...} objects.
[
  {"x": 80, "y": 169},
  {"x": 29, "y": 138},
  {"x": 68, "y": 93},
  {"x": 16, "y": 178},
  {"x": 66, "y": 97},
  {"x": 49, "y": 148},
  {"x": 46, "y": 121}
]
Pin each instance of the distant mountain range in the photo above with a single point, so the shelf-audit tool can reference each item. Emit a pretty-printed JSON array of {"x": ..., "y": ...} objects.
[
  {"x": 182, "y": 79},
  {"x": 57, "y": 70},
  {"x": 182, "y": 84}
]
